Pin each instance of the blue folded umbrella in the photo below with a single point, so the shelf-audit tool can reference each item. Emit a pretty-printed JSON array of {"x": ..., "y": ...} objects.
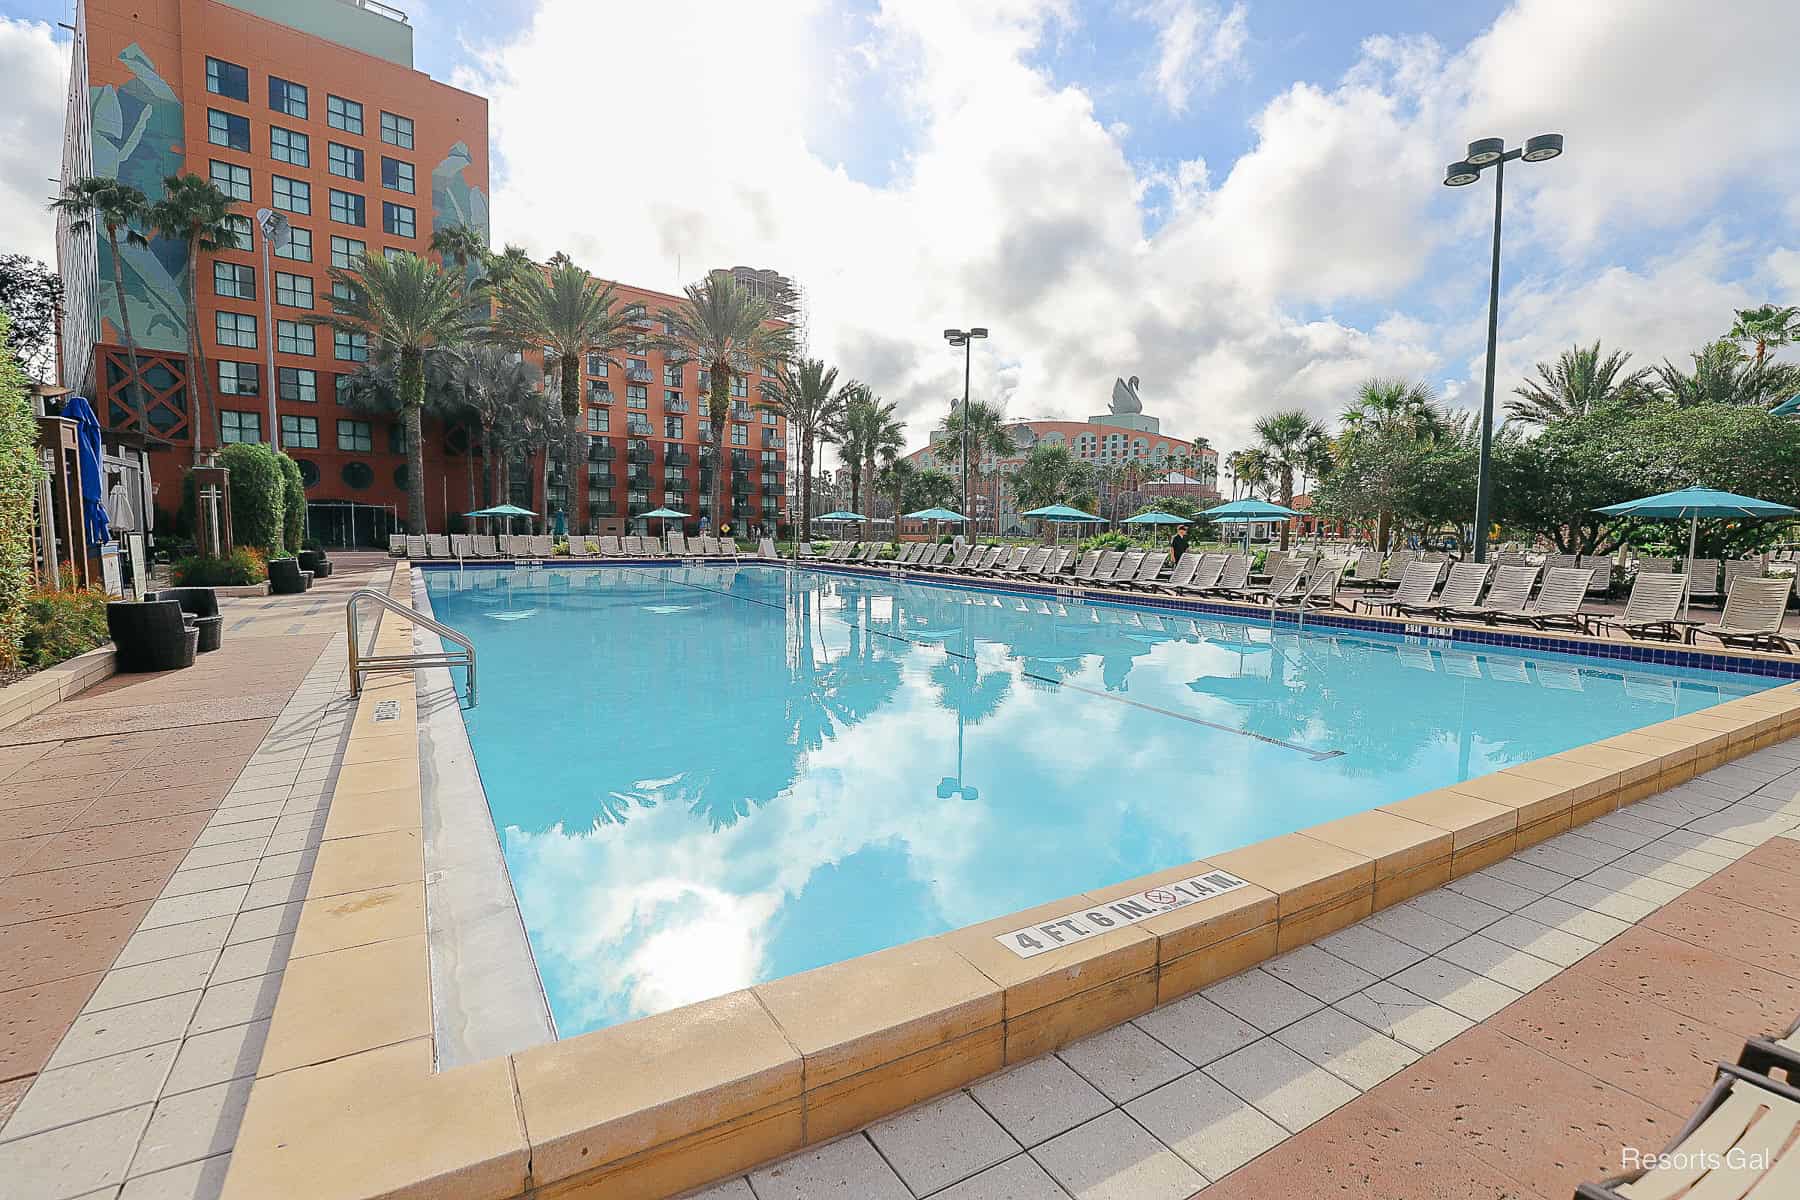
[{"x": 93, "y": 490}]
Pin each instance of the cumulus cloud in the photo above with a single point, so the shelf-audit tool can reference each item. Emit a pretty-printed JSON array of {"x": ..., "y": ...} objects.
[
  {"x": 1197, "y": 45},
  {"x": 1325, "y": 252},
  {"x": 37, "y": 68}
]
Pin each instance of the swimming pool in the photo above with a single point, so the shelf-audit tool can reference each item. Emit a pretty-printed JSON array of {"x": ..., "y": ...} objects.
[{"x": 708, "y": 777}]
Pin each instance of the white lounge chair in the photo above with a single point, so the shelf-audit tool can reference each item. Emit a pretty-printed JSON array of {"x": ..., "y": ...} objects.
[
  {"x": 459, "y": 545},
  {"x": 609, "y": 547},
  {"x": 484, "y": 546},
  {"x": 678, "y": 543},
  {"x": 416, "y": 546},
  {"x": 1559, "y": 602},
  {"x": 1416, "y": 586},
  {"x": 1653, "y": 610},
  {"x": 437, "y": 545},
  {"x": 397, "y": 545},
  {"x": 1753, "y": 615},
  {"x": 1508, "y": 597},
  {"x": 1703, "y": 579}
]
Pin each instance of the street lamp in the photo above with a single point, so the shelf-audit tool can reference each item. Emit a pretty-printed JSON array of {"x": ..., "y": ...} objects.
[
  {"x": 965, "y": 338},
  {"x": 1485, "y": 153}
]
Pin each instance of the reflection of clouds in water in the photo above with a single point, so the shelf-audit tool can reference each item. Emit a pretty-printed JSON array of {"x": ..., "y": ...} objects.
[{"x": 756, "y": 787}]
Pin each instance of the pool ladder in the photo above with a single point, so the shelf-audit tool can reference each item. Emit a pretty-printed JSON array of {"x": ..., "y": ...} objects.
[{"x": 362, "y": 664}]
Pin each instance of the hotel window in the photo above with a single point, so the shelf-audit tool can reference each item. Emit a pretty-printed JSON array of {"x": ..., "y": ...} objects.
[
  {"x": 228, "y": 130},
  {"x": 598, "y": 420},
  {"x": 393, "y": 252},
  {"x": 672, "y": 427},
  {"x": 343, "y": 114},
  {"x": 340, "y": 389},
  {"x": 300, "y": 433},
  {"x": 295, "y": 291},
  {"x": 346, "y": 162},
  {"x": 227, "y": 79},
  {"x": 355, "y": 435},
  {"x": 238, "y": 379},
  {"x": 240, "y": 232},
  {"x": 740, "y": 435},
  {"x": 740, "y": 386},
  {"x": 299, "y": 245},
  {"x": 637, "y": 425},
  {"x": 287, "y": 146},
  {"x": 637, "y": 396},
  {"x": 287, "y": 98},
  {"x": 347, "y": 252},
  {"x": 293, "y": 195},
  {"x": 769, "y": 461},
  {"x": 672, "y": 375},
  {"x": 769, "y": 418},
  {"x": 706, "y": 383},
  {"x": 346, "y": 207},
  {"x": 231, "y": 179},
  {"x": 235, "y": 329},
  {"x": 399, "y": 220},
  {"x": 600, "y": 393},
  {"x": 349, "y": 347},
  {"x": 674, "y": 402},
  {"x": 240, "y": 427},
  {"x": 344, "y": 295},
  {"x": 295, "y": 337},
  {"x": 397, "y": 130},
  {"x": 234, "y": 281},
  {"x": 397, "y": 175},
  {"x": 298, "y": 384}
]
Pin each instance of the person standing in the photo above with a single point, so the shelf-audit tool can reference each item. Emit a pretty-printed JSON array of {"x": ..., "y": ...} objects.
[{"x": 1178, "y": 544}]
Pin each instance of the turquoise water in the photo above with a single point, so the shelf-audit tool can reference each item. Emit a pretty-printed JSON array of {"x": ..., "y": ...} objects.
[{"x": 704, "y": 778}]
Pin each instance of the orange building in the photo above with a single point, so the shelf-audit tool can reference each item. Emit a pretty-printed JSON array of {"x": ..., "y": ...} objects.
[{"x": 310, "y": 108}]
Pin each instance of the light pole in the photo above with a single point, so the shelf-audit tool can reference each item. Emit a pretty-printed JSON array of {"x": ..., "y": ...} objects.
[
  {"x": 965, "y": 338},
  {"x": 275, "y": 232},
  {"x": 1485, "y": 153}
]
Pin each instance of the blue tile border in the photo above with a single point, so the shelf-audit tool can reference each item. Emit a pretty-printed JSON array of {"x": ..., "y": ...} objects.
[{"x": 1669, "y": 656}]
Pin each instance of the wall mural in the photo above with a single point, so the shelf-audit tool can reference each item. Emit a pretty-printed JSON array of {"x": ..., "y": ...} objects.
[
  {"x": 137, "y": 138},
  {"x": 454, "y": 200}
]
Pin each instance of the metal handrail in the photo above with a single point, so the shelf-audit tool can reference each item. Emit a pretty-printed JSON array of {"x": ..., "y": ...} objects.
[{"x": 361, "y": 663}]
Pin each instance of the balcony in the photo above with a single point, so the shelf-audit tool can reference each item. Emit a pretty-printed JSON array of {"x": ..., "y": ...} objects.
[
  {"x": 640, "y": 375},
  {"x": 740, "y": 485},
  {"x": 770, "y": 482},
  {"x": 640, "y": 454},
  {"x": 772, "y": 440},
  {"x": 599, "y": 451},
  {"x": 740, "y": 460},
  {"x": 676, "y": 483},
  {"x": 677, "y": 457},
  {"x": 601, "y": 479},
  {"x": 640, "y": 320}
]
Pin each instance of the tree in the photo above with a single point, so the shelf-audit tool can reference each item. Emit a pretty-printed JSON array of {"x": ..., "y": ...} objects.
[
  {"x": 406, "y": 305},
  {"x": 1766, "y": 327},
  {"x": 988, "y": 436},
  {"x": 813, "y": 404},
  {"x": 1249, "y": 471},
  {"x": 96, "y": 200},
  {"x": 895, "y": 477},
  {"x": 197, "y": 214},
  {"x": 1289, "y": 442},
  {"x": 568, "y": 314},
  {"x": 31, "y": 298},
  {"x": 489, "y": 381},
  {"x": 1385, "y": 420},
  {"x": 1051, "y": 474},
  {"x": 460, "y": 245},
  {"x": 871, "y": 434},
  {"x": 1580, "y": 381},
  {"x": 930, "y": 488},
  {"x": 726, "y": 329},
  {"x": 1722, "y": 375}
]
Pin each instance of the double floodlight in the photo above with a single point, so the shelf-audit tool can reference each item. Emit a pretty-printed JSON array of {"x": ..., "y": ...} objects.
[
  {"x": 1485, "y": 152},
  {"x": 962, "y": 337}
]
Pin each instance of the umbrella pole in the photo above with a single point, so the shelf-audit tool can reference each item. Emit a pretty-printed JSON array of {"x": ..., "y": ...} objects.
[{"x": 1687, "y": 593}]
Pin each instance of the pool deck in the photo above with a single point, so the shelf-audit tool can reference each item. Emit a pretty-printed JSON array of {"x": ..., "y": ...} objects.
[{"x": 1388, "y": 1057}]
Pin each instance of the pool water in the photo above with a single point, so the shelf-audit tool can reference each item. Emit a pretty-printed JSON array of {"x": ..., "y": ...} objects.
[{"x": 708, "y": 777}]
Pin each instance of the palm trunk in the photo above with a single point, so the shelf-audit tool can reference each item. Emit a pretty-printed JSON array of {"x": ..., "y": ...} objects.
[
  {"x": 718, "y": 408},
  {"x": 1287, "y": 501},
  {"x": 412, "y": 403},
  {"x": 487, "y": 463},
  {"x": 197, "y": 373},
  {"x": 134, "y": 386},
  {"x": 1384, "y": 521},
  {"x": 806, "y": 485},
  {"x": 572, "y": 440},
  {"x": 469, "y": 465}
]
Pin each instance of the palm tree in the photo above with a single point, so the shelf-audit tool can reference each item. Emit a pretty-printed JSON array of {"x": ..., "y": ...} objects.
[
  {"x": 895, "y": 477},
  {"x": 490, "y": 381},
  {"x": 1389, "y": 411},
  {"x": 1578, "y": 383},
  {"x": 113, "y": 206},
  {"x": 1289, "y": 442},
  {"x": 812, "y": 403},
  {"x": 1767, "y": 327},
  {"x": 988, "y": 436},
  {"x": 1722, "y": 375},
  {"x": 460, "y": 245},
  {"x": 871, "y": 434},
  {"x": 724, "y": 328},
  {"x": 197, "y": 214},
  {"x": 568, "y": 314},
  {"x": 404, "y": 305}
]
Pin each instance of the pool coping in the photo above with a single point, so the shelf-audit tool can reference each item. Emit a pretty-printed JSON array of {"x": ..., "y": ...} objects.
[{"x": 670, "y": 1102}]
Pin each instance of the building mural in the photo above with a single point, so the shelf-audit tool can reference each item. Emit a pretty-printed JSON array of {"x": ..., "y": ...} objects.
[
  {"x": 137, "y": 138},
  {"x": 454, "y": 201}
]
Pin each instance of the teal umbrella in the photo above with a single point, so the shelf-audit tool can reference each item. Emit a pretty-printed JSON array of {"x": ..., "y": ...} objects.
[
  {"x": 509, "y": 511},
  {"x": 1694, "y": 503},
  {"x": 934, "y": 515},
  {"x": 1155, "y": 518},
  {"x": 841, "y": 515},
  {"x": 1787, "y": 408},
  {"x": 667, "y": 515},
  {"x": 1250, "y": 511},
  {"x": 1062, "y": 512}
]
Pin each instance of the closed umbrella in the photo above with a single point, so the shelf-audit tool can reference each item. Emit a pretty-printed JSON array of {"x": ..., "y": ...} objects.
[
  {"x": 1694, "y": 503},
  {"x": 87, "y": 436}
]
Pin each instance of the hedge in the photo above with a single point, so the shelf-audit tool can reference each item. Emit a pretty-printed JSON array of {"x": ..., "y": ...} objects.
[
  {"x": 19, "y": 476},
  {"x": 60, "y": 625},
  {"x": 256, "y": 495},
  {"x": 293, "y": 503},
  {"x": 241, "y": 567}
]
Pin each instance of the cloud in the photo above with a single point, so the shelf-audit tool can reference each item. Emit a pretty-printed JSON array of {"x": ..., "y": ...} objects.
[
  {"x": 1197, "y": 45},
  {"x": 1325, "y": 252},
  {"x": 36, "y": 67}
]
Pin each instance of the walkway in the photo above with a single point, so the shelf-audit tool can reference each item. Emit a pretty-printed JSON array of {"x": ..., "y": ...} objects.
[{"x": 154, "y": 839}]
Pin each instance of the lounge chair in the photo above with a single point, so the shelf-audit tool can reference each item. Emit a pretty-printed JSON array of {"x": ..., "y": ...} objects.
[
  {"x": 1057, "y": 564},
  {"x": 1462, "y": 590},
  {"x": 1202, "y": 573},
  {"x": 1109, "y": 562},
  {"x": 437, "y": 546},
  {"x": 1287, "y": 578},
  {"x": 1181, "y": 576},
  {"x": 1148, "y": 572},
  {"x": 1415, "y": 587},
  {"x": 1391, "y": 572},
  {"x": 1655, "y": 566},
  {"x": 1234, "y": 576},
  {"x": 1558, "y": 604},
  {"x": 1508, "y": 597},
  {"x": 396, "y": 545},
  {"x": 1368, "y": 566},
  {"x": 1034, "y": 558},
  {"x": 543, "y": 545},
  {"x": 1126, "y": 567},
  {"x": 1601, "y": 564},
  {"x": 1010, "y": 561},
  {"x": 765, "y": 548},
  {"x": 630, "y": 546},
  {"x": 1753, "y": 615},
  {"x": 459, "y": 545},
  {"x": 1703, "y": 580},
  {"x": 610, "y": 548},
  {"x": 730, "y": 549},
  {"x": 958, "y": 556},
  {"x": 1557, "y": 562},
  {"x": 1084, "y": 570},
  {"x": 415, "y": 545},
  {"x": 1273, "y": 561},
  {"x": 991, "y": 558},
  {"x": 678, "y": 544},
  {"x": 1739, "y": 1144},
  {"x": 484, "y": 545},
  {"x": 1741, "y": 568},
  {"x": 1653, "y": 609},
  {"x": 1321, "y": 589}
]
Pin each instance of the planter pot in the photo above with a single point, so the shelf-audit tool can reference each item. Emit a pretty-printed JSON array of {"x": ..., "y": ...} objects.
[{"x": 151, "y": 635}]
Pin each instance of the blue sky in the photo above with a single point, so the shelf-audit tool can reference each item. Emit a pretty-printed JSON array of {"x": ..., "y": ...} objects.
[{"x": 1237, "y": 201}]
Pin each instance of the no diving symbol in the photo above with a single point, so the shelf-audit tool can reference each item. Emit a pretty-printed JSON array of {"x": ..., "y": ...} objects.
[{"x": 1159, "y": 896}]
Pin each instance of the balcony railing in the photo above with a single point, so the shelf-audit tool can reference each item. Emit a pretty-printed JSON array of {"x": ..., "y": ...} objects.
[
  {"x": 601, "y": 479},
  {"x": 599, "y": 451},
  {"x": 640, "y": 454},
  {"x": 676, "y": 457},
  {"x": 640, "y": 375}
]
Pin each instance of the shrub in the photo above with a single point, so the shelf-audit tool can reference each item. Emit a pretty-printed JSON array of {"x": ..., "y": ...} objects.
[
  {"x": 1106, "y": 541},
  {"x": 19, "y": 475},
  {"x": 61, "y": 624},
  {"x": 293, "y": 503},
  {"x": 242, "y": 567}
]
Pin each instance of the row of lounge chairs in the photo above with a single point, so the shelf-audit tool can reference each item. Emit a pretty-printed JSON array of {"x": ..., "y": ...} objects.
[{"x": 543, "y": 545}]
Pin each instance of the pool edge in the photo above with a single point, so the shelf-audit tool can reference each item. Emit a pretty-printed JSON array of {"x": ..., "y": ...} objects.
[{"x": 659, "y": 1105}]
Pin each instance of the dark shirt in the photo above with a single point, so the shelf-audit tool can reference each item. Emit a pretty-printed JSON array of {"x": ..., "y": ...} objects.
[{"x": 1177, "y": 548}]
